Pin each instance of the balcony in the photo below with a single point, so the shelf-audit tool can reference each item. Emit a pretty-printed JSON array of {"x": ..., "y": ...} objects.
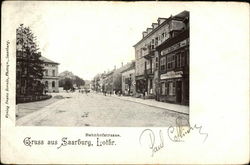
[{"x": 148, "y": 53}]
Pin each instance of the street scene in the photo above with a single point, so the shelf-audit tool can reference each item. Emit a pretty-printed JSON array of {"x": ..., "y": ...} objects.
[
  {"x": 95, "y": 110},
  {"x": 66, "y": 83}
]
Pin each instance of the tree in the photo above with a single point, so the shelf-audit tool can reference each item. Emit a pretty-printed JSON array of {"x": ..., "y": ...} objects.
[
  {"x": 68, "y": 84},
  {"x": 29, "y": 59},
  {"x": 78, "y": 81}
]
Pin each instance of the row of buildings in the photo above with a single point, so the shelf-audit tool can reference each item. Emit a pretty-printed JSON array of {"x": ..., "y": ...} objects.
[
  {"x": 161, "y": 66},
  {"x": 117, "y": 81}
]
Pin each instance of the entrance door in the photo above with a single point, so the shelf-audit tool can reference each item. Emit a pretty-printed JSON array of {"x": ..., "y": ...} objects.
[{"x": 178, "y": 91}]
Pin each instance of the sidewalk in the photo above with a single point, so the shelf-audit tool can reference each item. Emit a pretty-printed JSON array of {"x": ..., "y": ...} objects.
[{"x": 151, "y": 102}]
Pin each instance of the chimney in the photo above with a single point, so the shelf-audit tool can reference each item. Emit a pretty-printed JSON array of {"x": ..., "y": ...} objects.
[
  {"x": 122, "y": 64},
  {"x": 144, "y": 34},
  {"x": 115, "y": 67}
]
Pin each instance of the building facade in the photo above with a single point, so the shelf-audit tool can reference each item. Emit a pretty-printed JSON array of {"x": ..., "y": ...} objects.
[
  {"x": 50, "y": 76},
  {"x": 48, "y": 83},
  {"x": 148, "y": 53},
  {"x": 174, "y": 64},
  {"x": 128, "y": 80}
]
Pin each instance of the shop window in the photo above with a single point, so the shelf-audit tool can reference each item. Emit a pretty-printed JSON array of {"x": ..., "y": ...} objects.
[
  {"x": 166, "y": 88},
  {"x": 171, "y": 87},
  {"x": 170, "y": 61},
  {"x": 163, "y": 63},
  {"x": 163, "y": 90}
]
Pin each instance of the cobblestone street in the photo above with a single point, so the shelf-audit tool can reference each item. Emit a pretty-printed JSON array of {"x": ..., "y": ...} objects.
[{"x": 95, "y": 110}]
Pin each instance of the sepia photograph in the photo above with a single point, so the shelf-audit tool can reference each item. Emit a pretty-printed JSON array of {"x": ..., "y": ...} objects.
[
  {"x": 142, "y": 81},
  {"x": 116, "y": 82}
]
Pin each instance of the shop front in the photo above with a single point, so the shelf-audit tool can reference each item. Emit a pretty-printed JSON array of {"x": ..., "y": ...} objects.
[
  {"x": 174, "y": 87},
  {"x": 141, "y": 84}
]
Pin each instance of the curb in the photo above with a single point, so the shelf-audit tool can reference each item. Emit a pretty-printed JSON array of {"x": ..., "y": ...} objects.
[{"x": 151, "y": 105}]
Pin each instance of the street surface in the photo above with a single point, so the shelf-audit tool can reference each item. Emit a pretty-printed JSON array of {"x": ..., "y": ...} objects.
[{"x": 96, "y": 110}]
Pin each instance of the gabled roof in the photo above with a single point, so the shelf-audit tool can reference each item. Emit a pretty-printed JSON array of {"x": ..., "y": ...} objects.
[{"x": 46, "y": 60}]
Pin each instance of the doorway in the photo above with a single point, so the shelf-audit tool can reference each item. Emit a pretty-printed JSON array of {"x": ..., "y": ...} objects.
[{"x": 178, "y": 91}]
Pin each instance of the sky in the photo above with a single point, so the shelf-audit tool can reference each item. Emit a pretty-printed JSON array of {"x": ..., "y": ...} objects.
[{"x": 87, "y": 38}]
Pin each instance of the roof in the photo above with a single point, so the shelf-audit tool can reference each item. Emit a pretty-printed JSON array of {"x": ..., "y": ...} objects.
[
  {"x": 181, "y": 15},
  {"x": 46, "y": 60},
  {"x": 129, "y": 67}
]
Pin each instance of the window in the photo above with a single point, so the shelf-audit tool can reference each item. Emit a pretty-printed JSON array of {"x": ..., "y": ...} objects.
[
  {"x": 156, "y": 41},
  {"x": 163, "y": 88},
  {"x": 53, "y": 72},
  {"x": 53, "y": 84},
  {"x": 183, "y": 54},
  {"x": 163, "y": 35},
  {"x": 178, "y": 60},
  {"x": 171, "y": 87},
  {"x": 46, "y": 84},
  {"x": 163, "y": 63},
  {"x": 46, "y": 72},
  {"x": 170, "y": 61},
  {"x": 152, "y": 44},
  {"x": 156, "y": 62}
]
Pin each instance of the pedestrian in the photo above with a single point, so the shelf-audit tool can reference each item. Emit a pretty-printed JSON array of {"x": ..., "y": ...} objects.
[{"x": 143, "y": 92}]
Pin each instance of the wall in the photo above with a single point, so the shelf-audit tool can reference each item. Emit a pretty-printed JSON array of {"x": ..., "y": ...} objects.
[{"x": 50, "y": 78}]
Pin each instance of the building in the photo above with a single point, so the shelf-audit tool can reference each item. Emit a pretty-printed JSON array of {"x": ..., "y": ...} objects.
[
  {"x": 27, "y": 86},
  {"x": 128, "y": 80},
  {"x": 50, "y": 76},
  {"x": 108, "y": 82},
  {"x": 147, "y": 53},
  {"x": 174, "y": 63}
]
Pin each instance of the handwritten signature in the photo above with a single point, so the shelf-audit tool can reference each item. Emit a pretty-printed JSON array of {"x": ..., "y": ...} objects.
[
  {"x": 148, "y": 137},
  {"x": 175, "y": 134}
]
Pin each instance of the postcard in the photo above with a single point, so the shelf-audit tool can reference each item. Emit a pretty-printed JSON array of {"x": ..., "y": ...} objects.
[{"x": 124, "y": 82}]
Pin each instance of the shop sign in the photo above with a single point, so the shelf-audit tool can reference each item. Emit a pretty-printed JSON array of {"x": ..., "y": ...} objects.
[
  {"x": 175, "y": 47},
  {"x": 171, "y": 74}
]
